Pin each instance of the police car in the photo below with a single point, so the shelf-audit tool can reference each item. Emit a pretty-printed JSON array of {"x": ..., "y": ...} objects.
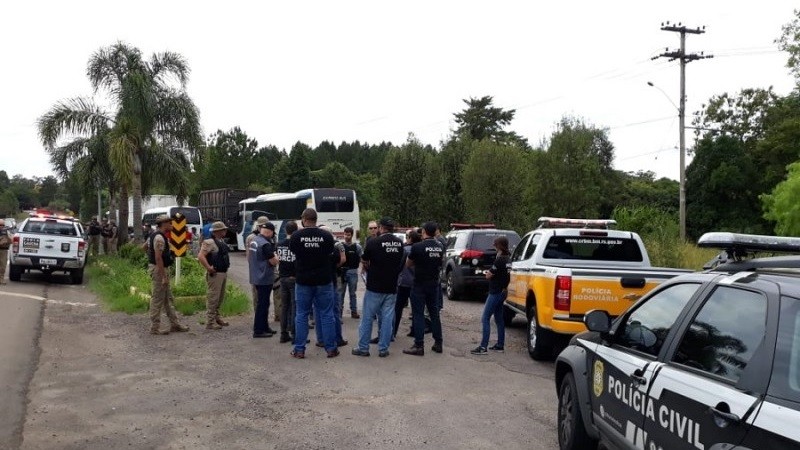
[
  {"x": 48, "y": 243},
  {"x": 709, "y": 360}
]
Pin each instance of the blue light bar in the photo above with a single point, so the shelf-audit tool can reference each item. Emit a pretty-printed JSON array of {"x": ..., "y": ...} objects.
[{"x": 749, "y": 242}]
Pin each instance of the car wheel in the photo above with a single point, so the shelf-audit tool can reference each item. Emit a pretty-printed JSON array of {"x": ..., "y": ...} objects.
[
  {"x": 508, "y": 315},
  {"x": 571, "y": 430},
  {"x": 77, "y": 276},
  {"x": 450, "y": 286},
  {"x": 539, "y": 339},
  {"x": 14, "y": 272}
]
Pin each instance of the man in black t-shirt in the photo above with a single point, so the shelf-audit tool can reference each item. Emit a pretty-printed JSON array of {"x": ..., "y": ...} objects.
[
  {"x": 426, "y": 259},
  {"x": 383, "y": 257},
  {"x": 286, "y": 272},
  {"x": 312, "y": 249}
]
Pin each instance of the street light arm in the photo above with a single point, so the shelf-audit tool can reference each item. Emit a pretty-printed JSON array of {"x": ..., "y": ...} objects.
[{"x": 650, "y": 83}]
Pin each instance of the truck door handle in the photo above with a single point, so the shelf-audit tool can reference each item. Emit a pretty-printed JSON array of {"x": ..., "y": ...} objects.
[
  {"x": 637, "y": 283},
  {"x": 638, "y": 377},
  {"x": 723, "y": 415}
]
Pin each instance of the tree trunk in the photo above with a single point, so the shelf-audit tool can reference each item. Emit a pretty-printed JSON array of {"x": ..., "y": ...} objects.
[
  {"x": 138, "y": 237},
  {"x": 123, "y": 216}
]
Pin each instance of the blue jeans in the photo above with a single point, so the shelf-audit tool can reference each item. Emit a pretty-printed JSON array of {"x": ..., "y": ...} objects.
[
  {"x": 351, "y": 283},
  {"x": 383, "y": 306},
  {"x": 321, "y": 297},
  {"x": 261, "y": 316},
  {"x": 337, "y": 322},
  {"x": 424, "y": 295},
  {"x": 494, "y": 307}
]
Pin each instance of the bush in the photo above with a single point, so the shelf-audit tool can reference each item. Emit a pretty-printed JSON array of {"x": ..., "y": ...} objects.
[
  {"x": 124, "y": 285},
  {"x": 134, "y": 253}
]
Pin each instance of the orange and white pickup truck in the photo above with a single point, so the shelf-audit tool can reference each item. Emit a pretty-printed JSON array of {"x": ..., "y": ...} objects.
[{"x": 568, "y": 267}]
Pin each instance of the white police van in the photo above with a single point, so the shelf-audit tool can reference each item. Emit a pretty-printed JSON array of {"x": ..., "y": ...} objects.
[{"x": 707, "y": 361}]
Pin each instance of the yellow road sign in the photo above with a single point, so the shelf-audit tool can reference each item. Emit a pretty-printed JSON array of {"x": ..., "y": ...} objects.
[{"x": 178, "y": 238}]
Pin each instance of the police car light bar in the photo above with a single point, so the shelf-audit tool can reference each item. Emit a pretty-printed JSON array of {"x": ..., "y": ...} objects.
[
  {"x": 468, "y": 226},
  {"x": 558, "y": 222},
  {"x": 749, "y": 242}
]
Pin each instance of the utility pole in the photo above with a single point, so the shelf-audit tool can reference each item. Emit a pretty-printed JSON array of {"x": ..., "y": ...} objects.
[{"x": 684, "y": 58}]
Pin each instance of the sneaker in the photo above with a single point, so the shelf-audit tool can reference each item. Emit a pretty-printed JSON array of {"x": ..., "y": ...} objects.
[
  {"x": 437, "y": 347},
  {"x": 261, "y": 335},
  {"x": 374, "y": 341},
  {"x": 479, "y": 351},
  {"x": 497, "y": 348},
  {"x": 178, "y": 328},
  {"x": 414, "y": 350},
  {"x": 383, "y": 353},
  {"x": 354, "y": 315},
  {"x": 213, "y": 326},
  {"x": 320, "y": 344},
  {"x": 333, "y": 353},
  {"x": 270, "y": 331},
  {"x": 158, "y": 332},
  {"x": 222, "y": 323},
  {"x": 298, "y": 354},
  {"x": 341, "y": 343},
  {"x": 359, "y": 352},
  {"x": 285, "y": 338}
]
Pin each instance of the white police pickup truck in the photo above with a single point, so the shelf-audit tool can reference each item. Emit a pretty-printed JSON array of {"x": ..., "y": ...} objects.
[
  {"x": 48, "y": 244},
  {"x": 707, "y": 361}
]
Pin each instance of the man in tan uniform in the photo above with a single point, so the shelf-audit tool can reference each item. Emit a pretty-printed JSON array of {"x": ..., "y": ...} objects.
[
  {"x": 214, "y": 257},
  {"x": 5, "y": 244},
  {"x": 160, "y": 259},
  {"x": 113, "y": 239}
]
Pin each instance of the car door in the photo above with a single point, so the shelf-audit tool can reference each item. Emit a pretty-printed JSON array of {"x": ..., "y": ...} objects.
[
  {"x": 517, "y": 283},
  {"x": 707, "y": 392},
  {"x": 622, "y": 367}
]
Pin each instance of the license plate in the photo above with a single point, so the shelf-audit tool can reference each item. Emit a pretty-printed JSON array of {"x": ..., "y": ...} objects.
[
  {"x": 480, "y": 272},
  {"x": 48, "y": 262}
]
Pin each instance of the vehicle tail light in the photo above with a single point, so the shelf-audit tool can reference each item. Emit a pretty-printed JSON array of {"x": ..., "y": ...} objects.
[
  {"x": 471, "y": 255},
  {"x": 563, "y": 296},
  {"x": 81, "y": 248},
  {"x": 15, "y": 244}
]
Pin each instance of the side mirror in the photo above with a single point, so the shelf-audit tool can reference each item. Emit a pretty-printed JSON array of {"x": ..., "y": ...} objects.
[{"x": 597, "y": 320}]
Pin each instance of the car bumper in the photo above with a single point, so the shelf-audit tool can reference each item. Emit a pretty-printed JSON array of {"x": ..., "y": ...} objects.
[{"x": 35, "y": 262}]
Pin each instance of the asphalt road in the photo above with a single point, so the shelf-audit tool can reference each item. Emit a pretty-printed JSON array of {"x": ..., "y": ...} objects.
[{"x": 102, "y": 381}]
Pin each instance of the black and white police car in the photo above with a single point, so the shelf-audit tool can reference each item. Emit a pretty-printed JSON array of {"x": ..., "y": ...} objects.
[{"x": 708, "y": 360}]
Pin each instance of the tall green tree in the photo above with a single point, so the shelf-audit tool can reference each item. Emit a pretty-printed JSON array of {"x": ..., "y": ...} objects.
[
  {"x": 573, "y": 176},
  {"x": 781, "y": 205},
  {"x": 789, "y": 41},
  {"x": 294, "y": 173},
  {"x": 444, "y": 176},
  {"x": 490, "y": 193},
  {"x": 400, "y": 189},
  {"x": 481, "y": 120},
  {"x": 229, "y": 160},
  {"x": 152, "y": 128}
]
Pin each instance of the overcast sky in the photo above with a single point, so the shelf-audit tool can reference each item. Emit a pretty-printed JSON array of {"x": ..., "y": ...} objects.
[{"x": 375, "y": 70}]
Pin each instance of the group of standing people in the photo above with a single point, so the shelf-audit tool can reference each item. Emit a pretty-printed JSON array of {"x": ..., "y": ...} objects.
[
  {"x": 306, "y": 265},
  {"x": 103, "y": 235}
]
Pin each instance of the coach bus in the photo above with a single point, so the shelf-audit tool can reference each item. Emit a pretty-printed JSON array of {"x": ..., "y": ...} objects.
[{"x": 336, "y": 208}]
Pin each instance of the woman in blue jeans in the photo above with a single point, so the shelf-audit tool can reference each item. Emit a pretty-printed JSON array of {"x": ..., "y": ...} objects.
[{"x": 498, "y": 277}]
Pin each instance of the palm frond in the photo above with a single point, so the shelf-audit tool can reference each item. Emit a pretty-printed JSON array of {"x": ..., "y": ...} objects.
[
  {"x": 169, "y": 64},
  {"x": 63, "y": 158},
  {"x": 168, "y": 167},
  {"x": 178, "y": 121},
  {"x": 123, "y": 144},
  {"x": 74, "y": 116},
  {"x": 108, "y": 66}
]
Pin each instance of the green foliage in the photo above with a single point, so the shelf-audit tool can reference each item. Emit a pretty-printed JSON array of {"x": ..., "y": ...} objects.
[
  {"x": 126, "y": 286},
  {"x": 294, "y": 173},
  {"x": 134, "y": 254},
  {"x": 230, "y": 160},
  {"x": 480, "y": 120},
  {"x": 444, "y": 176},
  {"x": 490, "y": 191},
  {"x": 782, "y": 206},
  {"x": 789, "y": 41},
  {"x": 400, "y": 190},
  {"x": 8, "y": 204}
]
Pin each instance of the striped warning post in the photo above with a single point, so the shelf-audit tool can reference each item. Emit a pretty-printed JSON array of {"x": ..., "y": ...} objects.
[{"x": 178, "y": 238}]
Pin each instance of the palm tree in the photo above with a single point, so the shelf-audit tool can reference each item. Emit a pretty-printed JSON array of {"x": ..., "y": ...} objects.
[{"x": 154, "y": 126}]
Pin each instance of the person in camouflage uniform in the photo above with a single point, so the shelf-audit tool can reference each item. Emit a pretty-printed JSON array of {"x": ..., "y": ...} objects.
[
  {"x": 160, "y": 259},
  {"x": 214, "y": 258}
]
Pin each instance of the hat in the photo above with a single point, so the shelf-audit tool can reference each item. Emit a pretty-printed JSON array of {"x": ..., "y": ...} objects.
[
  {"x": 386, "y": 222},
  {"x": 263, "y": 220},
  {"x": 269, "y": 226},
  {"x": 218, "y": 226},
  {"x": 162, "y": 218}
]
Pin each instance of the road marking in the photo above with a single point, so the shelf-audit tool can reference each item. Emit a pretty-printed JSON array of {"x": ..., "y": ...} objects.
[{"x": 49, "y": 300}]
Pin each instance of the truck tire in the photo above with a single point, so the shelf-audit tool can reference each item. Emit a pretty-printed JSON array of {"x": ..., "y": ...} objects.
[
  {"x": 450, "y": 286},
  {"x": 14, "y": 272},
  {"x": 77, "y": 276},
  {"x": 508, "y": 315},
  {"x": 539, "y": 340},
  {"x": 571, "y": 429}
]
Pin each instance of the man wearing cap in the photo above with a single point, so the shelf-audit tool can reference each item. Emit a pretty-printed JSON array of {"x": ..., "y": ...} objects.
[
  {"x": 286, "y": 272},
  {"x": 214, "y": 257},
  {"x": 312, "y": 249},
  {"x": 249, "y": 240},
  {"x": 262, "y": 275},
  {"x": 160, "y": 258},
  {"x": 383, "y": 257},
  {"x": 426, "y": 259}
]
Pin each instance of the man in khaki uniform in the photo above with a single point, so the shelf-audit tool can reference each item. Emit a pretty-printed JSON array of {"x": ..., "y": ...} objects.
[
  {"x": 214, "y": 257},
  {"x": 160, "y": 259},
  {"x": 5, "y": 244}
]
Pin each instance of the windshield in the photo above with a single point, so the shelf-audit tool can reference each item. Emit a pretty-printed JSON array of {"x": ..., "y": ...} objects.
[
  {"x": 593, "y": 248},
  {"x": 51, "y": 227}
]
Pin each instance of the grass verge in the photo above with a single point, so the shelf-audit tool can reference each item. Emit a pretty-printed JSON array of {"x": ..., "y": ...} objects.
[{"x": 124, "y": 285}]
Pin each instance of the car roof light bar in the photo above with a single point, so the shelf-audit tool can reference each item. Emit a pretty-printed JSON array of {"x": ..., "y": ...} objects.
[
  {"x": 559, "y": 222},
  {"x": 468, "y": 226},
  {"x": 739, "y": 243}
]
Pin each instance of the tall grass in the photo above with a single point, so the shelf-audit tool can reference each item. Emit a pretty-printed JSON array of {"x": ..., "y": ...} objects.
[
  {"x": 124, "y": 285},
  {"x": 660, "y": 232}
]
